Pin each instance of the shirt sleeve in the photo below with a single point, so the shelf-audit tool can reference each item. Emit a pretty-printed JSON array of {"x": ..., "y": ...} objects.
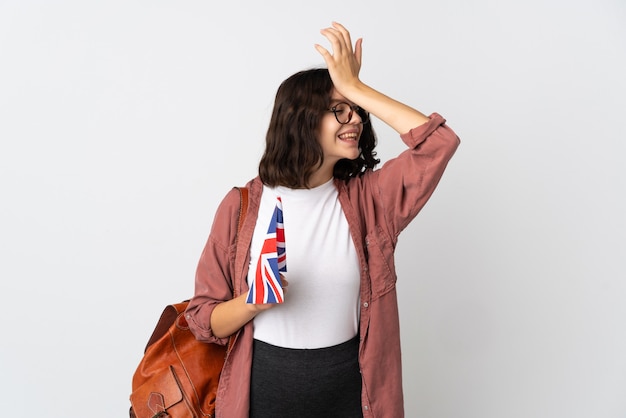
[
  {"x": 213, "y": 282},
  {"x": 406, "y": 182}
]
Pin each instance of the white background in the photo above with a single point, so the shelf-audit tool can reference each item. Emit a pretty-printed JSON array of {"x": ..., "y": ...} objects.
[{"x": 123, "y": 124}]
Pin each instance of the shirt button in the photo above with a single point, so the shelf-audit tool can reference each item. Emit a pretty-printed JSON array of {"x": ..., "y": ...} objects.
[
  {"x": 365, "y": 304},
  {"x": 187, "y": 316},
  {"x": 366, "y": 407}
]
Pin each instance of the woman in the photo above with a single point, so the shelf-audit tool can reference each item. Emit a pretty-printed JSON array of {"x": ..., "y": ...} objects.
[{"x": 332, "y": 348}]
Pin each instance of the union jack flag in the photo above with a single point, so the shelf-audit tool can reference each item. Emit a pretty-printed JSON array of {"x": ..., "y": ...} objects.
[{"x": 266, "y": 286}]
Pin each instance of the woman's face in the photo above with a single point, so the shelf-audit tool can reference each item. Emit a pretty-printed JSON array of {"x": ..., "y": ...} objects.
[{"x": 339, "y": 141}]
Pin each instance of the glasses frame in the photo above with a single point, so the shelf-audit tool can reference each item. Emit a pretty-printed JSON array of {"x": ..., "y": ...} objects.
[{"x": 363, "y": 114}]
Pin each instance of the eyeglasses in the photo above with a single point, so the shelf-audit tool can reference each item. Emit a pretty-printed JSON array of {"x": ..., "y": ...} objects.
[{"x": 344, "y": 111}]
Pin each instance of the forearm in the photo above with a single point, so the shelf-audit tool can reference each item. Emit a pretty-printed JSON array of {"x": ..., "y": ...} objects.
[
  {"x": 230, "y": 316},
  {"x": 398, "y": 116}
]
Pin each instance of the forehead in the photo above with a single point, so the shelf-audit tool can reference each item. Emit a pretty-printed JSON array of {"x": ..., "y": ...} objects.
[
  {"x": 335, "y": 95},
  {"x": 336, "y": 98}
]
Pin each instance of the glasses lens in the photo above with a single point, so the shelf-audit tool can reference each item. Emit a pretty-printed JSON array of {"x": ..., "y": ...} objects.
[{"x": 343, "y": 112}]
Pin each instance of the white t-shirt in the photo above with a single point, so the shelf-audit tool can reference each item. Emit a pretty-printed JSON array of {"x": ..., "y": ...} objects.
[{"x": 321, "y": 305}]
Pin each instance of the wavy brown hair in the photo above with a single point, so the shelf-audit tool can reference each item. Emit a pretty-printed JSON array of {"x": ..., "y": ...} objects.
[{"x": 292, "y": 150}]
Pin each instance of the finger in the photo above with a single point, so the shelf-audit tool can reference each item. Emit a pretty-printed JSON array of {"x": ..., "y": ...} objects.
[
  {"x": 324, "y": 53},
  {"x": 358, "y": 50},
  {"x": 335, "y": 39},
  {"x": 345, "y": 34}
]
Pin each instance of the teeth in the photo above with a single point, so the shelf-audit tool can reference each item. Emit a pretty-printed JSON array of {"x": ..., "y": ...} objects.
[{"x": 349, "y": 135}]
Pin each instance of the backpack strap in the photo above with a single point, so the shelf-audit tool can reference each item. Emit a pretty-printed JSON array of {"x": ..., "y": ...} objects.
[
  {"x": 243, "y": 210},
  {"x": 243, "y": 207}
]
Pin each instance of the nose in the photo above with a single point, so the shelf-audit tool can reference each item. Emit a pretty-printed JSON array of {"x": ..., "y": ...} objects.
[{"x": 355, "y": 118}]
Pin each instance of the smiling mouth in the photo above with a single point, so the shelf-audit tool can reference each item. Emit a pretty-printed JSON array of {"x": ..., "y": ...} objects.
[{"x": 349, "y": 136}]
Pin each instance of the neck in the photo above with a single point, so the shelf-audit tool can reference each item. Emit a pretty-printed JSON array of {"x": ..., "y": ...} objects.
[{"x": 320, "y": 176}]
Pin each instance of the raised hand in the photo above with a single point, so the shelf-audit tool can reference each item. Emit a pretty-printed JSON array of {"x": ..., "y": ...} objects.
[{"x": 344, "y": 63}]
